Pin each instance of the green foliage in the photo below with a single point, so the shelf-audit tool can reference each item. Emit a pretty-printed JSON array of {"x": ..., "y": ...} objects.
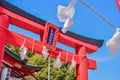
[
  {"x": 16, "y": 50},
  {"x": 29, "y": 54},
  {"x": 29, "y": 78},
  {"x": 55, "y": 74}
]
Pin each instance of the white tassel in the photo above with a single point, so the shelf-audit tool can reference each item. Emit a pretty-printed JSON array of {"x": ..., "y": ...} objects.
[
  {"x": 65, "y": 14},
  {"x": 57, "y": 63},
  {"x": 113, "y": 44},
  {"x": 8, "y": 74},
  {"x": 45, "y": 52},
  {"x": 23, "y": 51},
  {"x": 67, "y": 24},
  {"x": 73, "y": 64},
  {"x": 4, "y": 73},
  {"x": 12, "y": 78}
]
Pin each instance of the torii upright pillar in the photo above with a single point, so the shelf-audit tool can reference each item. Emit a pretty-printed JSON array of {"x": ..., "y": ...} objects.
[
  {"x": 4, "y": 22},
  {"x": 82, "y": 68}
]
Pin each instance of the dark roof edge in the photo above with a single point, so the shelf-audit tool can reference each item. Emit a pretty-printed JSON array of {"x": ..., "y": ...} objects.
[
  {"x": 37, "y": 68},
  {"x": 13, "y": 55},
  {"x": 83, "y": 38},
  {"x": 16, "y": 57},
  {"x": 18, "y": 11}
]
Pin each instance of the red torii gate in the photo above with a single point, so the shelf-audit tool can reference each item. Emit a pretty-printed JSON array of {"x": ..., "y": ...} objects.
[{"x": 50, "y": 35}]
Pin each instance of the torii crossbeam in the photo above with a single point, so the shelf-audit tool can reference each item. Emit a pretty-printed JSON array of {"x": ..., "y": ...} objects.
[{"x": 50, "y": 35}]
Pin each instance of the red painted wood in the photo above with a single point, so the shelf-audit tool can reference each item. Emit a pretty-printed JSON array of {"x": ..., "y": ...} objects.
[
  {"x": 45, "y": 36},
  {"x": 78, "y": 71},
  {"x": 35, "y": 77},
  {"x": 11, "y": 60},
  {"x": 4, "y": 22},
  {"x": 82, "y": 48},
  {"x": 23, "y": 78},
  {"x": 84, "y": 65},
  {"x": 82, "y": 68},
  {"x": 92, "y": 64},
  {"x": 17, "y": 41},
  {"x": 16, "y": 73},
  {"x": 23, "y": 22},
  {"x": 118, "y": 4},
  {"x": 76, "y": 43},
  {"x": 39, "y": 29}
]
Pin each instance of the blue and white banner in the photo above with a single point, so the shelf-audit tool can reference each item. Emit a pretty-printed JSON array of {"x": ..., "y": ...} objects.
[{"x": 50, "y": 38}]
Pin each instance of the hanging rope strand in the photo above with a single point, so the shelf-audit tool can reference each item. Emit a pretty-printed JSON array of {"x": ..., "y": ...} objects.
[
  {"x": 98, "y": 14},
  {"x": 33, "y": 46},
  {"x": 49, "y": 68}
]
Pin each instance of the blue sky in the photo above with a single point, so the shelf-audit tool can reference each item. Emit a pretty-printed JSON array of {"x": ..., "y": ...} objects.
[{"x": 85, "y": 23}]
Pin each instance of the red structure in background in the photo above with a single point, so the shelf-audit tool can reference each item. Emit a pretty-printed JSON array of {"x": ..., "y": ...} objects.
[
  {"x": 19, "y": 68},
  {"x": 50, "y": 35}
]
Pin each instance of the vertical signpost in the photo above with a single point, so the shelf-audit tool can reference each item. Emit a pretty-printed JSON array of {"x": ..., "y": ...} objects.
[{"x": 50, "y": 36}]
